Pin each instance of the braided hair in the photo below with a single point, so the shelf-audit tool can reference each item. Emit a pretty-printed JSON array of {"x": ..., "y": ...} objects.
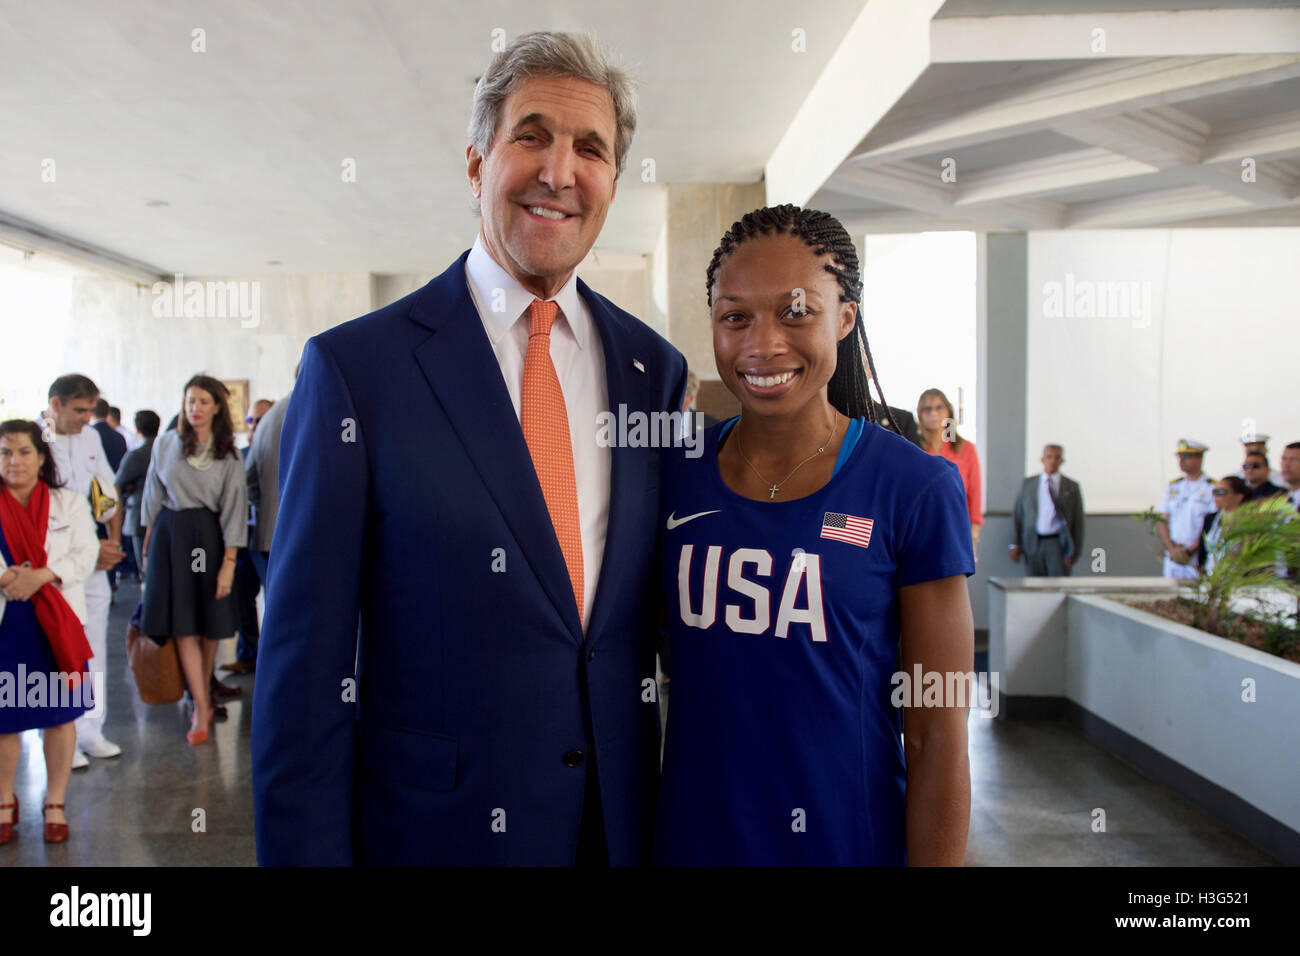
[{"x": 849, "y": 388}]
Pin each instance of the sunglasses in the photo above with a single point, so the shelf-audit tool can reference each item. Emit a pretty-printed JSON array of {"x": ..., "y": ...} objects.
[
  {"x": 1251, "y": 464},
  {"x": 1219, "y": 492}
]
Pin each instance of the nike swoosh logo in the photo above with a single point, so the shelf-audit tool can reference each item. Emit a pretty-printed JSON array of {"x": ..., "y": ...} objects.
[{"x": 673, "y": 521}]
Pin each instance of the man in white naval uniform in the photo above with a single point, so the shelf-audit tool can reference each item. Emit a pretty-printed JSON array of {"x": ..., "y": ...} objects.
[
  {"x": 80, "y": 459},
  {"x": 1186, "y": 501}
]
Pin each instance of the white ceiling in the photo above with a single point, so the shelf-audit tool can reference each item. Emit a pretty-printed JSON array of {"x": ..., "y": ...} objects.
[
  {"x": 224, "y": 161},
  {"x": 245, "y": 141},
  {"x": 987, "y": 8},
  {"x": 1085, "y": 142}
]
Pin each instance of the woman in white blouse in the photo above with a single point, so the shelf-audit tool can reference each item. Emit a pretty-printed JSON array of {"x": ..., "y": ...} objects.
[{"x": 48, "y": 549}]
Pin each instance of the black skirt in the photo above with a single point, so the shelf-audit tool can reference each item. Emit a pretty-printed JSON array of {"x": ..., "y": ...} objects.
[{"x": 180, "y": 588}]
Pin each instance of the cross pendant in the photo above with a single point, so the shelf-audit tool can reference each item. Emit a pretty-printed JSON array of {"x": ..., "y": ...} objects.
[{"x": 771, "y": 492}]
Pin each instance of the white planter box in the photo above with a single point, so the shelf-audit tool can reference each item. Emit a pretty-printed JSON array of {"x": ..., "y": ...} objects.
[
  {"x": 1179, "y": 691},
  {"x": 1027, "y": 632}
]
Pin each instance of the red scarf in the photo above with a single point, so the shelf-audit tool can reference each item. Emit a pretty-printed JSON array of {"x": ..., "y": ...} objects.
[{"x": 24, "y": 530}]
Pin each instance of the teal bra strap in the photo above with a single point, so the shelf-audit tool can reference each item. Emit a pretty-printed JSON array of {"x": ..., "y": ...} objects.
[{"x": 850, "y": 440}]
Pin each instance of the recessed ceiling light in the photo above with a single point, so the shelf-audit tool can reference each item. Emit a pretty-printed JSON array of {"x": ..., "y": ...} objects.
[{"x": 156, "y": 203}]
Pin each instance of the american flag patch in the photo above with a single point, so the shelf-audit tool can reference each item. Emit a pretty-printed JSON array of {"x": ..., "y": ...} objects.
[{"x": 847, "y": 528}]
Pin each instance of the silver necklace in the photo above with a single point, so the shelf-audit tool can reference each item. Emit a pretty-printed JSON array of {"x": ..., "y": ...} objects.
[{"x": 772, "y": 489}]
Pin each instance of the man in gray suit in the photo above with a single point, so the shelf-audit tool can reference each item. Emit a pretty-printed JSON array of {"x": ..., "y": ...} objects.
[
  {"x": 1049, "y": 519},
  {"x": 262, "y": 476},
  {"x": 262, "y": 471}
]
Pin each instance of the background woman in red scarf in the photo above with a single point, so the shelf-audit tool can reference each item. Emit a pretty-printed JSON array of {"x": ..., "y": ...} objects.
[{"x": 47, "y": 549}]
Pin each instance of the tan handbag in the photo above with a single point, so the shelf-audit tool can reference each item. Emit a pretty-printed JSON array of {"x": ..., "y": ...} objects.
[{"x": 157, "y": 669}]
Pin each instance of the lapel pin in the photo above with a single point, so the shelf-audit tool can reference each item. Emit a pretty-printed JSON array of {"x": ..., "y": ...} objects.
[{"x": 636, "y": 364}]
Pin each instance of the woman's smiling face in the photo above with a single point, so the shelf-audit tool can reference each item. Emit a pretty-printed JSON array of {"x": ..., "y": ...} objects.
[{"x": 777, "y": 322}]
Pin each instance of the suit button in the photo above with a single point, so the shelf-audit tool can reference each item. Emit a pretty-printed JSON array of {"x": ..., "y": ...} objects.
[
  {"x": 574, "y": 758},
  {"x": 591, "y": 655}
]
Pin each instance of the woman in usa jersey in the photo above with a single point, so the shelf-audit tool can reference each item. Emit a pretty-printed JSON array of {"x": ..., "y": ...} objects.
[{"x": 809, "y": 555}]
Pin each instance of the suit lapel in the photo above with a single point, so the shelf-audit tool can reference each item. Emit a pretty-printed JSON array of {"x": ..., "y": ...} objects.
[
  {"x": 1031, "y": 507},
  {"x": 629, "y": 390},
  {"x": 463, "y": 372}
]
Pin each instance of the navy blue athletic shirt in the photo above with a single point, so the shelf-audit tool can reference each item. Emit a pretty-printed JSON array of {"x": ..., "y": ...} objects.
[{"x": 782, "y": 745}]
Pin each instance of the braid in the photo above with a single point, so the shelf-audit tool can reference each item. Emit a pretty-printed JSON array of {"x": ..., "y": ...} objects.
[{"x": 849, "y": 389}]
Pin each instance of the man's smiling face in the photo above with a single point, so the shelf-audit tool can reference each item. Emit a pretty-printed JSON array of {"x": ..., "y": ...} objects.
[{"x": 547, "y": 182}]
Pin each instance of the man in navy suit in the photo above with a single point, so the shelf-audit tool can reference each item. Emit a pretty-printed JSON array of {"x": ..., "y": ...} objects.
[
  {"x": 115, "y": 451},
  {"x": 114, "y": 444},
  {"x": 493, "y": 706}
]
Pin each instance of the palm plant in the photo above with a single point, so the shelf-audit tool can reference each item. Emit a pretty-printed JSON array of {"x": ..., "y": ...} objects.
[{"x": 1258, "y": 548}]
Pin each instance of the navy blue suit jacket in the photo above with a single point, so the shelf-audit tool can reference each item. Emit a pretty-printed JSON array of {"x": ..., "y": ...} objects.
[
  {"x": 114, "y": 444},
  {"x": 415, "y": 561}
]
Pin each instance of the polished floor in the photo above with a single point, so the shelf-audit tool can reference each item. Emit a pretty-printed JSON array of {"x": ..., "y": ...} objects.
[
  {"x": 162, "y": 802},
  {"x": 1035, "y": 787}
]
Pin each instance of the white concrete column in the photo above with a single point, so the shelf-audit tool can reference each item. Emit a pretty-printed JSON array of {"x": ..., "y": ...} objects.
[
  {"x": 698, "y": 215},
  {"x": 1001, "y": 342}
]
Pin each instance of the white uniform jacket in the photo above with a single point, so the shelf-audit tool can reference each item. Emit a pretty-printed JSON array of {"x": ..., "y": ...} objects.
[{"x": 71, "y": 547}]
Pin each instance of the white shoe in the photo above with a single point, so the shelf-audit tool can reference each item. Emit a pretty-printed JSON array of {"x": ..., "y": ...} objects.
[
  {"x": 79, "y": 760},
  {"x": 101, "y": 748}
]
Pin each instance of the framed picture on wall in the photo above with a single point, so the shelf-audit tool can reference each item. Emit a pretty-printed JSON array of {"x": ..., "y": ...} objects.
[{"x": 238, "y": 388}]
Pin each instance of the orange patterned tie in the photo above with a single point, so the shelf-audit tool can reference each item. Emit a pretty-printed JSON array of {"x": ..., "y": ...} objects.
[{"x": 546, "y": 432}]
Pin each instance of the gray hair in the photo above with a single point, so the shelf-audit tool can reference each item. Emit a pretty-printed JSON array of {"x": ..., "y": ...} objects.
[{"x": 551, "y": 54}]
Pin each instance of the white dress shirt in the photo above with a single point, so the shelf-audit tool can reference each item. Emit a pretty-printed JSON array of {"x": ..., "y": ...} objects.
[
  {"x": 80, "y": 459},
  {"x": 133, "y": 441},
  {"x": 579, "y": 360},
  {"x": 1049, "y": 522},
  {"x": 1212, "y": 542}
]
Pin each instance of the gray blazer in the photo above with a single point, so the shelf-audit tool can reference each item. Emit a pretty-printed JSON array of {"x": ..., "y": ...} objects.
[
  {"x": 130, "y": 482},
  {"x": 1025, "y": 514},
  {"x": 262, "y": 474}
]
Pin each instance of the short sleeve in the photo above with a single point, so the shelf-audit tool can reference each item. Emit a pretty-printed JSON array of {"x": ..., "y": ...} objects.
[
  {"x": 1164, "y": 500},
  {"x": 936, "y": 538}
]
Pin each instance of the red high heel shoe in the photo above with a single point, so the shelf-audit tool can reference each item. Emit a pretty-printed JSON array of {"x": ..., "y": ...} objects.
[
  {"x": 7, "y": 831},
  {"x": 54, "y": 832},
  {"x": 195, "y": 737}
]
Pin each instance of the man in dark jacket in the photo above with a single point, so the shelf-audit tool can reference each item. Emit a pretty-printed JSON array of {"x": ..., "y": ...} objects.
[
  {"x": 114, "y": 444},
  {"x": 1255, "y": 469},
  {"x": 130, "y": 477},
  {"x": 114, "y": 450}
]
